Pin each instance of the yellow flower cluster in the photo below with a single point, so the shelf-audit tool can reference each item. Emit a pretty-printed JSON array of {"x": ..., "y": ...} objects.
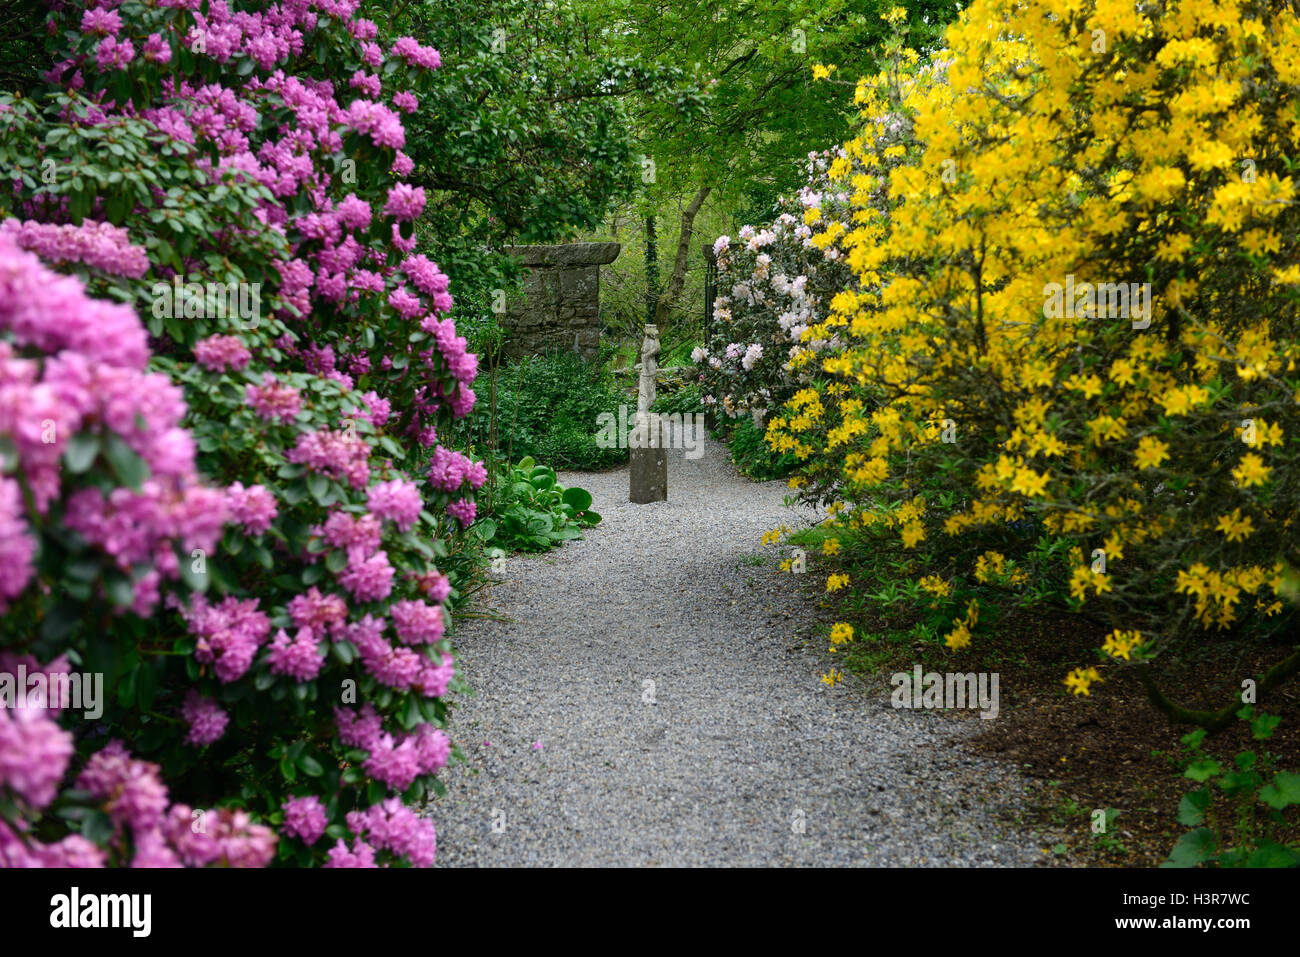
[
  {"x": 1081, "y": 679},
  {"x": 936, "y": 586},
  {"x": 960, "y": 636},
  {"x": 1085, "y": 254},
  {"x": 1217, "y": 593},
  {"x": 832, "y": 678},
  {"x": 1121, "y": 644}
]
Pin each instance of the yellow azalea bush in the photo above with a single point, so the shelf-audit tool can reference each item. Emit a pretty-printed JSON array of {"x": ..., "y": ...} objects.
[{"x": 1075, "y": 319}]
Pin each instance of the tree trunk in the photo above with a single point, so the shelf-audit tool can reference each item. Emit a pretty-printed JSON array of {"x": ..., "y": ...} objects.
[
  {"x": 678, "y": 277},
  {"x": 651, "y": 270}
]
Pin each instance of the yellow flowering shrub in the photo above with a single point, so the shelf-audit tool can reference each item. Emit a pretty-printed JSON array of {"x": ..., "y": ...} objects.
[{"x": 1076, "y": 314}]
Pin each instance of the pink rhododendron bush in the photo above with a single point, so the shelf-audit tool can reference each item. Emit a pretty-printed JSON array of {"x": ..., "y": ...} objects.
[{"x": 227, "y": 483}]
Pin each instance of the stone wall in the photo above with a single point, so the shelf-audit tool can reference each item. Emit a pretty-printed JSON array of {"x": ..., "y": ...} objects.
[{"x": 560, "y": 305}]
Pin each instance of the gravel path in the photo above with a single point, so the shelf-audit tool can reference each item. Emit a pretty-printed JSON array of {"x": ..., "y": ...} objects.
[{"x": 653, "y": 703}]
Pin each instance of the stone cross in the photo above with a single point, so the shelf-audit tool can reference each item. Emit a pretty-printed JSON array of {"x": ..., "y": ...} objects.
[{"x": 647, "y": 452}]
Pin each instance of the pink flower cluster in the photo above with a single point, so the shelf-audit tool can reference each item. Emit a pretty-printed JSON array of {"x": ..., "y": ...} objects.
[
  {"x": 222, "y": 353},
  {"x": 397, "y": 500},
  {"x": 318, "y": 612},
  {"x": 449, "y": 470},
  {"x": 463, "y": 510},
  {"x": 434, "y": 584},
  {"x": 253, "y": 507},
  {"x": 393, "y": 827},
  {"x": 299, "y": 657},
  {"x": 136, "y": 800},
  {"x": 394, "y": 762},
  {"x": 206, "y": 720},
  {"x": 101, "y": 246},
  {"x": 397, "y": 667},
  {"x": 225, "y": 837},
  {"x": 381, "y": 124},
  {"x": 229, "y": 634},
  {"x": 417, "y": 623},
  {"x": 273, "y": 401},
  {"x": 128, "y": 789},
  {"x": 409, "y": 49},
  {"x": 463, "y": 365},
  {"x": 93, "y": 381},
  {"x": 304, "y": 818},
  {"x": 405, "y": 202},
  {"x": 360, "y": 535},
  {"x": 342, "y": 455},
  {"x": 34, "y": 752},
  {"x": 429, "y": 279},
  {"x": 368, "y": 577}
]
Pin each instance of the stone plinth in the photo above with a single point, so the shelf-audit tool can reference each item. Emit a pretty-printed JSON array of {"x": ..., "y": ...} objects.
[
  {"x": 648, "y": 458},
  {"x": 560, "y": 306}
]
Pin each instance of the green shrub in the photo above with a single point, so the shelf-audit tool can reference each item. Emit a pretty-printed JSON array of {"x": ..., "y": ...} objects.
[
  {"x": 753, "y": 457},
  {"x": 547, "y": 407},
  {"x": 529, "y": 511},
  {"x": 685, "y": 400},
  {"x": 1240, "y": 814}
]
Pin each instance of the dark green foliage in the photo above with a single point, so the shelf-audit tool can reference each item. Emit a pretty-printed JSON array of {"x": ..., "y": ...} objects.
[
  {"x": 685, "y": 400},
  {"x": 529, "y": 511},
  {"x": 548, "y": 407},
  {"x": 752, "y": 455}
]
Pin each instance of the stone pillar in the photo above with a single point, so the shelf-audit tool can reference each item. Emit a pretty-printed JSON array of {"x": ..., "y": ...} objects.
[
  {"x": 560, "y": 306},
  {"x": 647, "y": 445}
]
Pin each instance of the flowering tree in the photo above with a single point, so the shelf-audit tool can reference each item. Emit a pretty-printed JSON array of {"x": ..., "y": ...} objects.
[
  {"x": 235, "y": 172},
  {"x": 776, "y": 285},
  {"x": 1076, "y": 312}
]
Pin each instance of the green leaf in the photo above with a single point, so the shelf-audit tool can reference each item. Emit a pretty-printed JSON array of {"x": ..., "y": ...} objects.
[
  {"x": 1262, "y": 726},
  {"x": 319, "y": 486},
  {"x": 146, "y": 685},
  {"x": 579, "y": 498},
  {"x": 119, "y": 590},
  {"x": 97, "y": 827},
  {"x": 1271, "y": 854},
  {"x": 1203, "y": 769},
  {"x": 1283, "y": 792},
  {"x": 126, "y": 689},
  {"x": 81, "y": 452},
  {"x": 310, "y": 766},
  {"x": 1191, "y": 809},
  {"x": 130, "y": 469},
  {"x": 1193, "y": 848}
]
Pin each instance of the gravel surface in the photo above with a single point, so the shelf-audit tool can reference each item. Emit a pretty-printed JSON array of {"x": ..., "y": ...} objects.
[{"x": 656, "y": 701}]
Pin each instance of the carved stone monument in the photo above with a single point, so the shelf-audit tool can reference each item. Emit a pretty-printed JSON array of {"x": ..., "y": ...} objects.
[{"x": 647, "y": 448}]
